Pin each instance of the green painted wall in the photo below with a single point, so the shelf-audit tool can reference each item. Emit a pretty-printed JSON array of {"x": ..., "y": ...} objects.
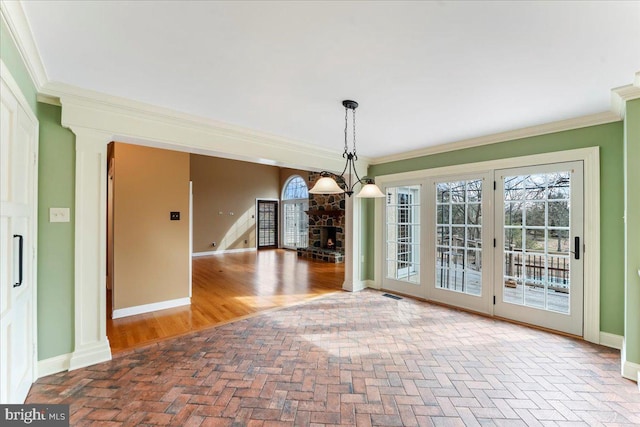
[
  {"x": 609, "y": 137},
  {"x": 632, "y": 231},
  {"x": 56, "y": 189},
  {"x": 56, "y": 183}
]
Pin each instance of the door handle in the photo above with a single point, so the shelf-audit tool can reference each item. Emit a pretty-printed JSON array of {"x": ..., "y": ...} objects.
[
  {"x": 576, "y": 244},
  {"x": 20, "y": 259}
]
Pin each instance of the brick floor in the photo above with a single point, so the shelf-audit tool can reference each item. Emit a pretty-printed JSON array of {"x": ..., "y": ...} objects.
[{"x": 354, "y": 359}]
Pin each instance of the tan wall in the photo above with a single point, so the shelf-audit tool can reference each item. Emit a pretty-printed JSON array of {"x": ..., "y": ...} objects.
[
  {"x": 222, "y": 187},
  {"x": 151, "y": 253}
]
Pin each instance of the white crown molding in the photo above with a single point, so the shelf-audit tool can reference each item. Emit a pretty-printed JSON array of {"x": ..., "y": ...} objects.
[
  {"x": 553, "y": 127},
  {"x": 18, "y": 25},
  {"x": 213, "y": 137},
  {"x": 620, "y": 96}
]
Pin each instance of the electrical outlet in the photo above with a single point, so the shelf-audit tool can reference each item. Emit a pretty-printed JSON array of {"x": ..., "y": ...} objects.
[
  {"x": 174, "y": 216},
  {"x": 213, "y": 244},
  {"x": 245, "y": 242}
]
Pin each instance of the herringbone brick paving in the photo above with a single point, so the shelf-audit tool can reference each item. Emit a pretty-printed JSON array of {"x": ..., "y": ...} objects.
[{"x": 354, "y": 359}]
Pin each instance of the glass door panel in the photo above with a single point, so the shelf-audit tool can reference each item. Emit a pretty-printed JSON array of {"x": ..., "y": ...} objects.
[
  {"x": 458, "y": 235},
  {"x": 402, "y": 235},
  {"x": 540, "y": 210}
]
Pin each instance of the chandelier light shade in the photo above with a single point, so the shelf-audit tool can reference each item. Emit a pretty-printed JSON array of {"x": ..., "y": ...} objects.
[{"x": 327, "y": 183}]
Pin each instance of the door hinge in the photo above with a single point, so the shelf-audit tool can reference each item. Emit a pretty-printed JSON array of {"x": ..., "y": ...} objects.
[
  {"x": 494, "y": 243},
  {"x": 494, "y": 185},
  {"x": 494, "y": 300}
]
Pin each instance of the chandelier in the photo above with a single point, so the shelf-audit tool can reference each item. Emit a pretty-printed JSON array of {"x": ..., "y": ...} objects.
[{"x": 327, "y": 183}]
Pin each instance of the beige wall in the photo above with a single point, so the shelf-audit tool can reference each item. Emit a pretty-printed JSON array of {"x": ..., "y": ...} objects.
[
  {"x": 151, "y": 252},
  {"x": 222, "y": 187}
]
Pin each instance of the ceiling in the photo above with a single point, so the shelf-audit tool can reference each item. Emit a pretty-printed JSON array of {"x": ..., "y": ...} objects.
[{"x": 424, "y": 73}]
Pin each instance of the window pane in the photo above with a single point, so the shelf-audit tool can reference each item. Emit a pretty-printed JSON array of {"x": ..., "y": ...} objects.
[
  {"x": 403, "y": 233},
  {"x": 459, "y": 236}
]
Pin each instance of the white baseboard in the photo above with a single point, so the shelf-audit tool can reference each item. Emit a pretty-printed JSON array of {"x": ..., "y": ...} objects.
[
  {"x": 148, "y": 308},
  {"x": 370, "y": 284},
  {"x": 354, "y": 286},
  {"x": 611, "y": 340},
  {"x": 631, "y": 371},
  {"x": 90, "y": 354},
  {"x": 53, "y": 365},
  {"x": 226, "y": 251}
]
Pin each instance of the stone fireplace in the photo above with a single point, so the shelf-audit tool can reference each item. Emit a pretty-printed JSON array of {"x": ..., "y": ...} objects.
[{"x": 326, "y": 221}]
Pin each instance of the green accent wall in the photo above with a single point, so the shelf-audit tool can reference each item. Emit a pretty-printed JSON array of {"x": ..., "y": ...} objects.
[
  {"x": 632, "y": 230},
  {"x": 609, "y": 137},
  {"x": 56, "y": 189}
]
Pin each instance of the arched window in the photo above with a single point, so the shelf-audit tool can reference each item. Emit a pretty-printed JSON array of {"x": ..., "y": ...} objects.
[{"x": 295, "y": 203}]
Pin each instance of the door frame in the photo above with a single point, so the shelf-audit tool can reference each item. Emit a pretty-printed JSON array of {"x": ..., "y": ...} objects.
[
  {"x": 257, "y": 223},
  {"x": 32, "y": 254},
  {"x": 591, "y": 160}
]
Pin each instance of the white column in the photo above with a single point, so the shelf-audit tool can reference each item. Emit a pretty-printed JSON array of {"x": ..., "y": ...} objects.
[
  {"x": 352, "y": 250},
  {"x": 91, "y": 343}
]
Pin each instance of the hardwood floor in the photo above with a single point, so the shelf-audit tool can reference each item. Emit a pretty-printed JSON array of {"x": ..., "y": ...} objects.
[{"x": 229, "y": 287}]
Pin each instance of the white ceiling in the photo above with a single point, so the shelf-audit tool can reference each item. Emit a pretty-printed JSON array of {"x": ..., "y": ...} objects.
[{"x": 424, "y": 73}]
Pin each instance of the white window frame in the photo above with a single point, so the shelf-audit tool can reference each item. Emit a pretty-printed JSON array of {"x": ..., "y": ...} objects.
[
  {"x": 591, "y": 160},
  {"x": 283, "y": 205}
]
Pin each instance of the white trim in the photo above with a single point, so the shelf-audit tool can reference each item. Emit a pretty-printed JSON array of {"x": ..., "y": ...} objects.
[
  {"x": 370, "y": 284},
  {"x": 591, "y": 158},
  {"x": 611, "y": 340},
  {"x": 149, "y": 125},
  {"x": 148, "y": 308},
  {"x": 13, "y": 15},
  {"x": 629, "y": 370},
  {"x": 543, "y": 129},
  {"x": 90, "y": 273},
  {"x": 227, "y": 251},
  {"x": 53, "y": 365},
  {"x": 10, "y": 82}
]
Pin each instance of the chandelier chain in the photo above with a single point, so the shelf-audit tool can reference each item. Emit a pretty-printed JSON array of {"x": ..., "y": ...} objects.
[
  {"x": 354, "y": 134},
  {"x": 346, "y": 121}
]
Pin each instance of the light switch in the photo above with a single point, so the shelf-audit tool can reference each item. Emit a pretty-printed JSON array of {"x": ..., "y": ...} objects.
[{"x": 59, "y": 215}]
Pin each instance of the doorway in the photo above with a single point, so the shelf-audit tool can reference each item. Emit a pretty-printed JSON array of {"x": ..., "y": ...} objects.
[
  {"x": 539, "y": 229},
  {"x": 267, "y": 224}
]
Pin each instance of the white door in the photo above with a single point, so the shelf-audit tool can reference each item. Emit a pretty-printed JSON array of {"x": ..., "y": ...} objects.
[
  {"x": 402, "y": 240},
  {"x": 18, "y": 183},
  {"x": 459, "y": 241},
  {"x": 539, "y": 229}
]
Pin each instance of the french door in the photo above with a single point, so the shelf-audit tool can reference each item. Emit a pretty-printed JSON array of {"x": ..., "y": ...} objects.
[
  {"x": 18, "y": 183},
  {"x": 402, "y": 240},
  {"x": 505, "y": 242},
  {"x": 539, "y": 229},
  {"x": 267, "y": 224},
  {"x": 459, "y": 241},
  {"x": 296, "y": 224}
]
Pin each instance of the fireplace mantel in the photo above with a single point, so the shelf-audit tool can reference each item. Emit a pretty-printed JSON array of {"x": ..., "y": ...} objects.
[{"x": 319, "y": 212}]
